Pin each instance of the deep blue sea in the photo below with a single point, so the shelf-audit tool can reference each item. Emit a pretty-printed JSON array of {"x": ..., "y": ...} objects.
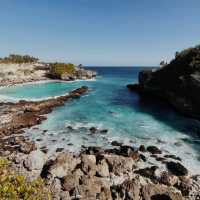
[{"x": 110, "y": 105}]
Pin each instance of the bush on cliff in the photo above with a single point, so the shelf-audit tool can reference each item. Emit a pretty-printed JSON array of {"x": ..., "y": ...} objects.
[
  {"x": 19, "y": 59},
  {"x": 13, "y": 186},
  {"x": 57, "y": 69}
]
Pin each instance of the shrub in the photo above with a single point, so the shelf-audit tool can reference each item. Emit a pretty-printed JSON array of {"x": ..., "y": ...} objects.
[
  {"x": 15, "y": 58},
  {"x": 57, "y": 69},
  {"x": 14, "y": 187}
]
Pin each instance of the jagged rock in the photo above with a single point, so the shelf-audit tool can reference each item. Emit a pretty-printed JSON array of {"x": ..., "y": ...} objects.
[
  {"x": 88, "y": 164},
  {"x": 102, "y": 168},
  {"x": 55, "y": 189},
  {"x": 158, "y": 192},
  {"x": 62, "y": 165},
  {"x": 119, "y": 164},
  {"x": 35, "y": 160},
  {"x": 142, "y": 148},
  {"x": 148, "y": 172},
  {"x": 64, "y": 195},
  {"x": 70, "y": 182},
  {"x": 168, "y": 179},
  {"x": 129, "y": 189},
  {"x": 91, "y": 188},
  {"x": 154, "y": 150},
  {"x": 176, "y": 168},
  {"x": 129, "y": 151},
  {"x": 93, "y": 130}
]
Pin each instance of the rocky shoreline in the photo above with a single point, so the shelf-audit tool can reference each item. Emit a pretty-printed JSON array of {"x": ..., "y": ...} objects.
[
  {"x": 13, "y": 73},
  {"x": 178, "y": 82},
  {"x": 121, "y": 172}
]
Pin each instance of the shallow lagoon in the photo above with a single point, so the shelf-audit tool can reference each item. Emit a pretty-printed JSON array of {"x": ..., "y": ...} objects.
[{"x": 109, "y": 105}]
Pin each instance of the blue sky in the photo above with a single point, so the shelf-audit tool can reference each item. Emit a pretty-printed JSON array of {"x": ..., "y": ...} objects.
[{"x": 99, "y": 32}]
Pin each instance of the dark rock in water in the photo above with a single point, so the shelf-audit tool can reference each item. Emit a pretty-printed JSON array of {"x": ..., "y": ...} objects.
[
  {"x": 93, "y": 150},
  {"x": 176, "y": 168},
  {"x": 39, "y": 139},
  {"x": 142, "y": 148},
  {"x": 116, "y": 143},
  {"x": 154, "y": 150},
  {"x": 143, "y": 157},
  {"x": 160, "y": 141},
  {"x": 178, "y": 144},
  {"x": 93, "y": 130},
  {"x": 129, "y": 152},
  {"x": 160, "y": 159},
  {"x": 70, "y": 128},
  {"x": 173, "y": 157},
  {"x": 59, "y": 149},
  {"x": 177, "y": 82},
  {"x": 148, "y": 172},
  {"x": 70, "y": 144},
  {"x": 103, "y": 131}
]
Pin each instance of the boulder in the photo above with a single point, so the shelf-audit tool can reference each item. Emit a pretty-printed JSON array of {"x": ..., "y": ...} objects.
[
  {"x": 176, "y": 168},
  {"x": 88, "y": 164},
  {"x": 102, "y": 168},
  {"x": 148, "y": 172},
  {"x": 116, "y": 143},
  {"x": 160, "y": 192},
  {"x": 168, "y": 179},
  {"x": 63, "y": 165},
  {"x": 129, "y": 189},
  {"x": 35, "y": 160},
  {"x": 119, "y": 164},
  {"x": 142, "y": 148},
  {"x": 154, "y": 150}
]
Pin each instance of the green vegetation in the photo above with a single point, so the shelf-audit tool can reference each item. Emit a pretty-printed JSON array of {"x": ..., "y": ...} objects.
[
  {"x": 14, "y": 187},
  {"x": 57, "y": 69},
  {"x": 19, "y": 59}
]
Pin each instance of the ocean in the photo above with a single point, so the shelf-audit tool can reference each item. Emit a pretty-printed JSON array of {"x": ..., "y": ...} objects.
[{"x": 109, "y": 105}]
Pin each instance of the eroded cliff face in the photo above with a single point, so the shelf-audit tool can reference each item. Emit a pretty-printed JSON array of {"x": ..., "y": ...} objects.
[{"x": 177, "y": 82}]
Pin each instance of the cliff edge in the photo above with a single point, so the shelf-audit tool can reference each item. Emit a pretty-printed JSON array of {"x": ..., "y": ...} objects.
[{"x": 177, "y": 82}]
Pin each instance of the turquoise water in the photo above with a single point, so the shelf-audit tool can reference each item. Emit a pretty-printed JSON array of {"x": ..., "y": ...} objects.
[{"x": 110, "y": 105}]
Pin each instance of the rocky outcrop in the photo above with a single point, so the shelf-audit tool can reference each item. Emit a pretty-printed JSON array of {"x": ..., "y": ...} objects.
[
  {"x": 24, "y": 114},
  {"x": 177, "y": 82},
  {"x": 78, "y": 74},
  {"x": 19, "y": 73}
]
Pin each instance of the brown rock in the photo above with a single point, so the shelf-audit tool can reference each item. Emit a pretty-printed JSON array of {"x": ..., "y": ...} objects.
[
  {"x": 119, "y": 164},
  {"x": 88, "y": 164},
  {"x": 154, "y": 150},
  {"x": 160, "y": 192},
  {"x": 102, "y": 169}
]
